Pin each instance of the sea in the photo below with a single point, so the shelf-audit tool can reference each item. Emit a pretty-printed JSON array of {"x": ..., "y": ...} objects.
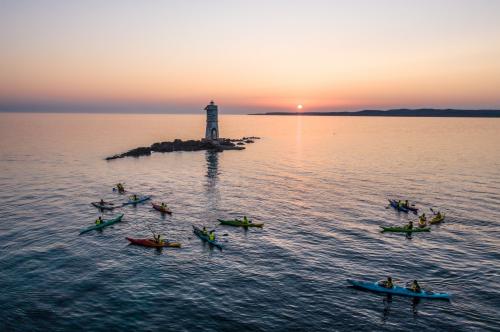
[{"x": 319, "y": 184}]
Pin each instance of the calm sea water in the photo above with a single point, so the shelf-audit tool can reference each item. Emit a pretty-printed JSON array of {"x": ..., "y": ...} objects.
[{"x": 320, "y": 185}]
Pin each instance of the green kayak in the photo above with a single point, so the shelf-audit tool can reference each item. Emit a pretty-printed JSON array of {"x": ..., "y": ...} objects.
[
  {"x": 105, "y": 223},
  {"x": 405, "y": 229},
  {"x": 240, "y": 223}
]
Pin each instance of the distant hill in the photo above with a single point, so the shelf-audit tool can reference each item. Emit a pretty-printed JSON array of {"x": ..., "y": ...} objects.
[{"x": 421, "y": 112}]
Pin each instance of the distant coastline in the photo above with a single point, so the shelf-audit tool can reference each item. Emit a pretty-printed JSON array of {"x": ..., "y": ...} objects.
[{"x": 421, "y": 112}]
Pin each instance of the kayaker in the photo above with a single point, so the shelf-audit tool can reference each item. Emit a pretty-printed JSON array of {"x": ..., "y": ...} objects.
[
  {"x": 400, "y": 203},
  {"x": 407, "y": 204},
  {"x": 387, "y": 283},
  {"x": 98, "y": 221},
  {"x": 158, "y": 239},
  {"x": 204, "y": 231},
  {"x": 134, "y": 197},
  {"x": 439, "y": 215},
  {"x": 415, "y": 287},
  {"x": 410, "y": 225},
  {"x": 245, "y": 220},
  {"x": 101, "y": 202},
  {"x": 163, "y": 206},
  {"x": 211, "y": 235},
  {"x": 120, "y": 187},
  {"x": 422, "y": 220}
]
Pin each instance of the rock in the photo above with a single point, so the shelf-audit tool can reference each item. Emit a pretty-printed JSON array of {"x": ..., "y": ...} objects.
[
  {"x": 137, "y": 152},
  {"x": 180, "y": 145}
]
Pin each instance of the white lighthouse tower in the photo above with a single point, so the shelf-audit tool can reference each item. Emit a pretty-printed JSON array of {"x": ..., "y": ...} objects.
[{"x": 212, "y": 132}]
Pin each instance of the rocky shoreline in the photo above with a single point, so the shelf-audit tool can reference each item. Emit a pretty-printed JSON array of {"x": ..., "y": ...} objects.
[{"x": 189, "y": 145}]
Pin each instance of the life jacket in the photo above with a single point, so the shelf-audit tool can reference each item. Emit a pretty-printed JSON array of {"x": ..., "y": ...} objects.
[{"x": 211, "y": 236}]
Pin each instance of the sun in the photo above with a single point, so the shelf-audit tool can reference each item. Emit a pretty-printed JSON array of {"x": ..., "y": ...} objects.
[{"x": 299, "y": 106}]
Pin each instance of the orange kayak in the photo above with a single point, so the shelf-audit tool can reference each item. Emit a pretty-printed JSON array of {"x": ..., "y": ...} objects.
[
  {"x": 153, "y": 244},
  {"x": 161, "y": 208}
]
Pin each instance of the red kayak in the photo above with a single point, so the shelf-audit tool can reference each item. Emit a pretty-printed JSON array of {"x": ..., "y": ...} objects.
[
  {"x": 153, "y": 244},
  {"x": 161, "y": 208}
]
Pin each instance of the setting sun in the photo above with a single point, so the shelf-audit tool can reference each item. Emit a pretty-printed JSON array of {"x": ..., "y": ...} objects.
[{"x": 299, "y": 106}]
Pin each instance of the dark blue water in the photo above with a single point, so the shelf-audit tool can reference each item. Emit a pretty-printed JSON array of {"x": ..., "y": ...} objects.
[{"x": 320, "y": 185}]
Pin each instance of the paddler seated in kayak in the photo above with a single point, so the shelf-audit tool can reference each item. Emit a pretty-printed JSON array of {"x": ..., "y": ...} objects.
[
  {"x": 99, "y": 221},
  {"x": 211, "y": 235},
  {"x": 245, "y": 220},
  {"x": 386, "y": 283},
  {"x": 400, "y": 203},
  {"x": 163, "y": 205},
  {"x": 204, "y": 231},
  {"x": 102, "y": 202},
  {"x": 422, "y": 220},
  {"x": 439, "y": 215},
  {"x": 415, "y": 287},
  {"x": 120, "y": 187},
  {"x": 134, "y": 197},
  {"x": 158, "y": 239},
  {"x": 410, "y": 225}
]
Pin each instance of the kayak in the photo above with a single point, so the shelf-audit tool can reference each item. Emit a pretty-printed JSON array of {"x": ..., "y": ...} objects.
[
  {"x": 105, "y": 206},
  {"x": 409, "y": 208},
  {"x": 105, "y": 223},
  {"x": 404, "y": 229},
  {"x": 205, "y": 238},
  {"x": 395, "y": 205},
  {"x": 239, "y": 223},
  {"x": 153, "y": 244},
  {"x": 137, "y": 201},
  {"x": 161, "y": 208},
  {"x": 397, "y": 290},
  {"x": 436, "y": 219}
]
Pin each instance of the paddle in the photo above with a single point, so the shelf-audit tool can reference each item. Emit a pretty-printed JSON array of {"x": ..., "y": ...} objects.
[{"x": 151, "y": 230}]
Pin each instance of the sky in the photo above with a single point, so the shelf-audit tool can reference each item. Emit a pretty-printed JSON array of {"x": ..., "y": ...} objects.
[{"x": 260, "y": 55}]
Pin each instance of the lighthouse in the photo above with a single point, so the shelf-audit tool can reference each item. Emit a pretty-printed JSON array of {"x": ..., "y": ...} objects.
[{"x": 212, "y": 131}]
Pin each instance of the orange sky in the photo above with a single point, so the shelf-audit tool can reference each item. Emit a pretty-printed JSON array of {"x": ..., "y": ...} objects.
[{"x": 326, "y": 55}]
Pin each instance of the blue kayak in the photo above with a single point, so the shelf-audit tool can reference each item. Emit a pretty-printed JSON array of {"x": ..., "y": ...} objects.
[
  {"x": 205, "y": 238},
  {"x": 397, "y": 290},
  {"x": 137, "y": 201},
  {"x": 104, "y": 223},
  {"x": 395, "y": 205}
]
